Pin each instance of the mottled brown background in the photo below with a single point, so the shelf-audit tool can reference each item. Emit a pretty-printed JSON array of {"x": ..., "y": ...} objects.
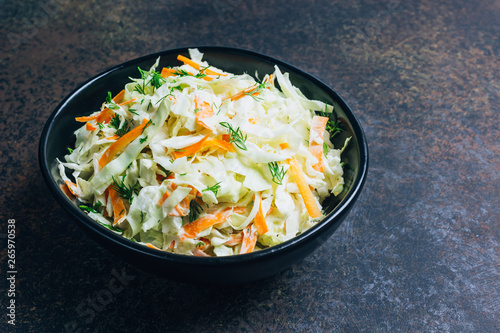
[{"x": 420, "y": 250}]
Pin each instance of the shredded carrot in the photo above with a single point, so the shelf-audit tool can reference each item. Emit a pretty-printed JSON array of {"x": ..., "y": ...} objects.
[
  {"x": 166, "y": 72},
  {"x": 223, "y": 144},
  {"x": 66, "y": 190},
  {"x": 318, "y": 126},
  {"x": 119, "y": 96},
  {"x": 71, "y": 187},
  {"x": 205, "y": 110},
  {"x": 243, "y": 93},
  {"x": 102, "y": 117},
  {"x": 190, "y": 150},
  {"x": 260, "y": 220},
  {"x": 113, "y": 137},
  {"x": 235, "y": 239},
  {"x": 199, "y": 253},
  {"x": 252, "y": 120},
  {"x": 196, "y": 66},
  {"x": 89, "y": 127},
  {"x": 270, "y": 79},
  {"x": 127, "y": 102},
  {"x": 172, "y": 245},
  {"x": 249, "y": 240},
  {"x": 305, "y": 191},
  {"x": 118, "y": 206},
  {"x": 194, "y": 228},
  {"x": 152, "y": 246},
  {"x": 226, "y": 137},
  {"x": 163, "y": 198},
  {"x": 121, "y": 143},
  {"x": 284, "y": 145},
  {"x": 105, "y": 115}
]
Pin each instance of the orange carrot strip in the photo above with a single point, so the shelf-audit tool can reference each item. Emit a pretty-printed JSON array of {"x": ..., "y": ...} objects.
[
  {"x": 90, "y": 127},
  {"x": 194, "y": 228},
  {"x": 318, "y": 126},
  {"x": 121, "y": 143},
  {"x": 199, "y": 253},
  {"x": 226, "y": 137},
  {"x": 284, "y": 145},
  {"x": 166, "y": 72},
  {"x": 119, "y": 96},
  {"x": 260, "y": 221},
  {"x": 104, "y": 114},
  {"x": 152, "y": 246},
  {"x": 305, "y": 191},
  {"x": 190, "y": 150},
  {"x": 113, "y": 137},
  {"x": 243, "y": 93},
  {"x": 66, "y": 190},
  {"x": 163, "y": 198},
  {"x": 196, "y": 66},
  {"x": 71, "y": 187},
  {"x": 127, "y": 102},
  {"x": 235, "y": 239},
  {"x": 118, "y": 206},
  {"x": 205, "y": 110},
  {"x": 172, "y": 245},
  {"x": 223, "y": 144},
  {"x": 249, "y": 240}
]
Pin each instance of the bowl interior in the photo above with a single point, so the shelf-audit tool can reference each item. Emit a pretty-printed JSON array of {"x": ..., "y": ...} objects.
[{"x": 58, "y": 134}]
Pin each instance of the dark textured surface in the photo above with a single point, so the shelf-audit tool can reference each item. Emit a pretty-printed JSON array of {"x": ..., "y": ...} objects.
[{"x": 420, "y": 250}]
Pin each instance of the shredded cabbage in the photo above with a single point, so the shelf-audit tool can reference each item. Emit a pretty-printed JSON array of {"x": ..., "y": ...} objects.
[{"x": 209, "y": 174}]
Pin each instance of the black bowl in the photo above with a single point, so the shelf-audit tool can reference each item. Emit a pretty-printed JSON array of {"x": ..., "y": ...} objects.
[{"x": 57, "y": 136}]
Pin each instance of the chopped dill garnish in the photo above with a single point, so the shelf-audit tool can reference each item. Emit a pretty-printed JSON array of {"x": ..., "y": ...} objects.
[
  {"x": 167, "y": 172},
  {"x": 236, "y": 136},
  {"x": 93, "y": 209},
  {"x": 277, "y": 172},
  {"x": 124, "y": 191},
  {"x": 194, "y": 210},
  {"x": 332, "y": 126},
  {"x": 110, "y": 227},
  {"x": 115, "y": 121},
  {"x": 142, "y": 140},
  {"x": 214, "y": 188}
]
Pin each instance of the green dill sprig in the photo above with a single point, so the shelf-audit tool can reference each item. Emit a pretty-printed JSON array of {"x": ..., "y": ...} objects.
[
  {"x": 109, "y": 98},
  {"x": 194, "y": 210},
  {"x": 141, "y": 88},
  {"x": 93, "y": 209},
  {"x": 133, "y": 111},
  {"x": 276, "y": 172},
  {"x": 156, "y": 80},
  {"x": 115, "y": 123},
  {"x": 235, "y": 136},
  {"x": 111, "y": 104},
  {"x": 167, "y": 172},
  {"x": 182, "y": 72},
  {"x": 125, "y": 192},
  {"x": 332, "y": 125},
  {"x": 257, "y": 90},
  {"x": 214, "y": 188},
  {"x": 110, "y": 227}
]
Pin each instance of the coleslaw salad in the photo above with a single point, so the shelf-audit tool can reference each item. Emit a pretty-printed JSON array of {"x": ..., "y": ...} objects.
[{"x": 197, "y": 161}]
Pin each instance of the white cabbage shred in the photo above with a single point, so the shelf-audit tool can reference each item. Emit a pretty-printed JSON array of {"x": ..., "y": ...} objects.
[{"x": 199, "y": 174}]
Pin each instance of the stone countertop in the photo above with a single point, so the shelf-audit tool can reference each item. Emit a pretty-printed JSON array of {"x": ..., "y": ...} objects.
[{"x": 419, "y": 251}]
